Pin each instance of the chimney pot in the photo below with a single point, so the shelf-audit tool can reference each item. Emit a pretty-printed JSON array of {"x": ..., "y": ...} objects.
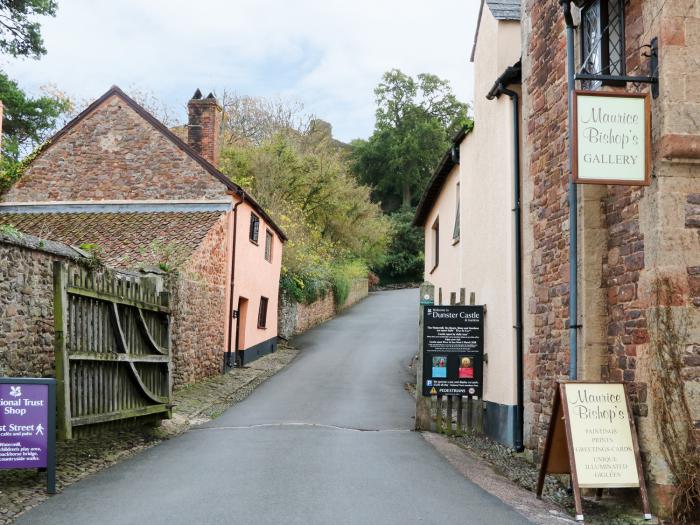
[{"x": 204, "y": 126}]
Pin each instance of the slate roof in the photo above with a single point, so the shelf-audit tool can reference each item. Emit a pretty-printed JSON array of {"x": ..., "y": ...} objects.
[
  {"x": 123, "y": 238},
  {"x": 432, "y": 190},
  {"x": 504, "y": 9}
]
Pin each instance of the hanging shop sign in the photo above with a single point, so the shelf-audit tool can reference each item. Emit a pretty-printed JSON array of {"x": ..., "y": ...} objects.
[
  {"x": 28, "y": 425},
  {"x": 612, "y": 138},
  {"x": 592, "y": 436},
  {"x": 453, "y": 350}
]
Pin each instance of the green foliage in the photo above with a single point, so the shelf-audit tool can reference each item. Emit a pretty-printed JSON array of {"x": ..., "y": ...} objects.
[
  {"x": 27, "y": 122},
  {"x": 20, "y": 35},
  {"x": 10, "y": 231},
  {"x": 95, "y": 254},
  {"x": 303, "y": 180},
  {"x": 415, "y": 121},
  {"x": 405, "y": 260}
]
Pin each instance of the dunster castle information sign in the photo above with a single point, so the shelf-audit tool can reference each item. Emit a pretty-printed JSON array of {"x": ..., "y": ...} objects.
[{"x": 612, "y": 138}]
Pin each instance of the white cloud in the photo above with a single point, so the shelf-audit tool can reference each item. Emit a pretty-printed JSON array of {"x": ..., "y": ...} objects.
[{"x": 327, "y": 53}]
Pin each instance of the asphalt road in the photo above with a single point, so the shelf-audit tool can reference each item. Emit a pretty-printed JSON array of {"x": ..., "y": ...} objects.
[{"x": 326, "y": 441}]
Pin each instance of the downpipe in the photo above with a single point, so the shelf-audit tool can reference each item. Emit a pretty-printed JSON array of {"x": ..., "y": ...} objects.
[
  {"x": 573, "y": 200},
  {"x": 517, "y": 214}
]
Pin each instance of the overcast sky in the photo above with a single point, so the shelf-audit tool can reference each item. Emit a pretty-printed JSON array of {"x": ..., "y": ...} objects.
[{"x": 329, "y": 54}]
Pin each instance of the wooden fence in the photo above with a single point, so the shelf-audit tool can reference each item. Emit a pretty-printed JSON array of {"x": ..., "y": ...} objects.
[
  {"x": 456, "y": 415},
  {"x": 112, "y": 347}
]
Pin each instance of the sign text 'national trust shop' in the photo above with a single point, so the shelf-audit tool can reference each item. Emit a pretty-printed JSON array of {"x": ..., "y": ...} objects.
[
  {"x": 612, "y": 138},
  {"x": 28, "y": 425}
]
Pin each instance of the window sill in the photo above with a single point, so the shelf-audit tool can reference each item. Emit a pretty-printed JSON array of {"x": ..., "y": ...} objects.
[
  {"x": 254, "y": 242},
  {"x": 455, "y": 241},
  {"x": 434, "y": 268}
]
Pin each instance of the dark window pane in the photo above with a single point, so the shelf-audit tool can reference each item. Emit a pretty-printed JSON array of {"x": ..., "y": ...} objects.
[
  {"x": 254, "y": 228},
  {"x": 262, "y": 313},
  {"x": 268, "y": 245}
]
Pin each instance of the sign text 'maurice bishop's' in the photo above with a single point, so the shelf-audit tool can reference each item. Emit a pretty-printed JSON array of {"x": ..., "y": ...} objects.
[{"x": 597, "y": 130}]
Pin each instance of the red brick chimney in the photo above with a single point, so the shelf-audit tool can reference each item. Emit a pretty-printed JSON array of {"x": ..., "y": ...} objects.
[{"x": 204, "y": 126}]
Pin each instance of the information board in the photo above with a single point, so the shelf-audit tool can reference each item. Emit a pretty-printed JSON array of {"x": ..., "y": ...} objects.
[
  {"x": 453, "y": 350},
  {"x": 28, "y": 425},
  {"x": 592, "y": 436},
  {"x": 612, "y": 138}
]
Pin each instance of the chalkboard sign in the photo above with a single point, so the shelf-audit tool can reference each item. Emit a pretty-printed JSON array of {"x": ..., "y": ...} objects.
[
  {"x": 592, "y": 436},
  {"x": 453, "y": 350},
  {"x": 28, "y": 425}
]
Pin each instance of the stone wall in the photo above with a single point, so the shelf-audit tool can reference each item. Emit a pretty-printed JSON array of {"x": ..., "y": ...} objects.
[
  {"x": 26, "y": 305},
  {"x": 199, "y": 310},
  {"x": 631, "y": 238},
  {"x": 113, "y": 153},
  {"x": 295, "y": 318}
]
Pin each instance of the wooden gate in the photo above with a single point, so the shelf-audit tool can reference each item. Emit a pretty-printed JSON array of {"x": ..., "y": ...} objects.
[{"x": 112, "y": 347}]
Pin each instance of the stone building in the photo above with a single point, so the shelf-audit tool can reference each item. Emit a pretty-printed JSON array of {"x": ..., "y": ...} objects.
[
  {"x": 638, "y": 247},
  {"x": 120, "y": 184}
]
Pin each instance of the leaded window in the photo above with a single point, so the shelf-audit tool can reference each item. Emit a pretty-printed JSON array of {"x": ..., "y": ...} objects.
[{"x": 603, "y": 39}]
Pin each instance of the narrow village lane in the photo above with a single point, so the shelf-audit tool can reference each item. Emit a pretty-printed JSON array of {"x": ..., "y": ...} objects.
[{"x": 326, "y": 441}]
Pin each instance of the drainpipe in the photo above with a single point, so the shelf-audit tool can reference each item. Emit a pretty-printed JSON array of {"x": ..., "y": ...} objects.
[
  {"x": 517, "y": 214},
  {"x": 573, "y": 208},
  {"x": 231, "y": 302}
]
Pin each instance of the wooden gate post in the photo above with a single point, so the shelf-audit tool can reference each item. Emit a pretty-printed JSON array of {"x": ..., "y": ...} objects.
[
  {"x": 60, "y": 321},
  {"x": 423, "y": 419}
]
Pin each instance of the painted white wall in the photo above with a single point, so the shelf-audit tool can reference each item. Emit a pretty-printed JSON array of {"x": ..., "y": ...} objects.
[
  {"x": 447, "y": 275},
  {"x": 483, "y": 260}
]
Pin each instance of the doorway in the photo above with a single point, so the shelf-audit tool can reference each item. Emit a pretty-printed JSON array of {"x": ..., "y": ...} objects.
[{"x": 240, "y": 329}]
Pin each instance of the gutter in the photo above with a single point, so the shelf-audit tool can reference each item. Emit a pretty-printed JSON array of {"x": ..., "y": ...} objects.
[{"x": 512, "y": 74}]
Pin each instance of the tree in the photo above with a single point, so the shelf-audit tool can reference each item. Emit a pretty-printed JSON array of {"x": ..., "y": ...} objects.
[
  {"x": 20, "y": 35},
  {"x": 335, "y": 230},
  {"x": 254, "y": 120},
  {"x": 415, "y": 120},
  {"x": 27, "y": 121}
]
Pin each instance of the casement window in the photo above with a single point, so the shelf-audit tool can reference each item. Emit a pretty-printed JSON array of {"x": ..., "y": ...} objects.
[
  {"x": 254, "y": 228},
  {"x": 262, "y": 313},
  {"x": 455, "y": 232},
  {"x": 268, "y": 245},
  {"x": 435, "y": 242},
  {"x": 603, "y": 39}
]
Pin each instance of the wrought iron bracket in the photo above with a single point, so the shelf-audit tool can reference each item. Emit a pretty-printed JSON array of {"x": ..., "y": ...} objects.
[{"x": 653, "y": 79}]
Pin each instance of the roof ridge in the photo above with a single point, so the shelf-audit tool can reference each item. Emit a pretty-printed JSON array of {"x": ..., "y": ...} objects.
[{"x": 177, "y": 141}]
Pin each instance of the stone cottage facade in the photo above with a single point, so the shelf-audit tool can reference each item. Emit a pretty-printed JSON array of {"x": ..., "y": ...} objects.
[{"x": 116, "y": 180}]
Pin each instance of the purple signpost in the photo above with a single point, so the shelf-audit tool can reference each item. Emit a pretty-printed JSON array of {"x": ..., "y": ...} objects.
[{"x": 28, "y": 425}]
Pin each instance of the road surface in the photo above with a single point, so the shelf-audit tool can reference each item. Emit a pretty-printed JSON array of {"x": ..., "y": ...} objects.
[{"x": 326, "y": 441}]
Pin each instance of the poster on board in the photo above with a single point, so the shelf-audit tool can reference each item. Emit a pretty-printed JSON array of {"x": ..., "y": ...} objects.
[
  {"x": 453, "y": 350},
  {"x": 612, "y": 138}
]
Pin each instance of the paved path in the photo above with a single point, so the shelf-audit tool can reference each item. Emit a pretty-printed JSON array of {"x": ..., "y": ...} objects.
[{"x": 326, "y": 441}]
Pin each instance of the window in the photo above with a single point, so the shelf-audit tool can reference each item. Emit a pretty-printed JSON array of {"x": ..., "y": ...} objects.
[
  {"x": 455, "y": 232},
  {"x": 262, "y": 313},
  {"x": 435, "y": 232},
  {"x": 268, "y": 245},
  {"x": 603, "y": 39},
  {"x": 254, "y": 228}
]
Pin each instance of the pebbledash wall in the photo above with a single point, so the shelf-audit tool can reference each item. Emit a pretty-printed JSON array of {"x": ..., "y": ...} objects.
[
  {"x": 631, "y": 239},
  {"x": 295, "y": 318}
]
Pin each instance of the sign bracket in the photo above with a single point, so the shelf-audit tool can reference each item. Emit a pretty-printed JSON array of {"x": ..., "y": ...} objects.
[{"x": 652, "y": 79}]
